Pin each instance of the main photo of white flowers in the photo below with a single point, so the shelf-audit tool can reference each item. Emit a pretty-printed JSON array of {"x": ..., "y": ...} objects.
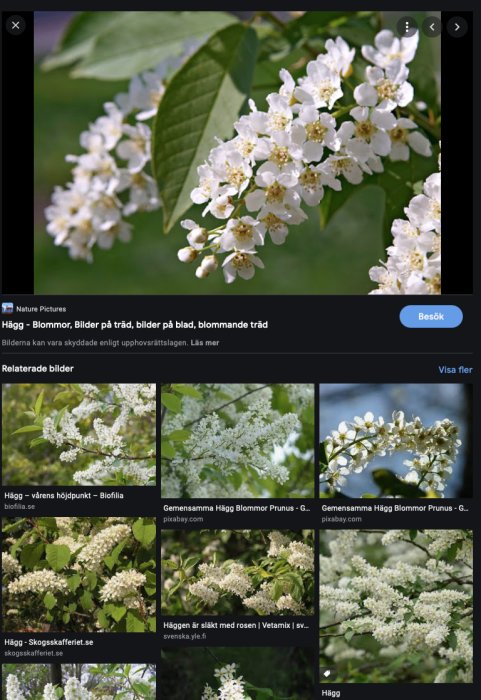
[
  {"x": 238, "y": 572},
  {"x": 236, "y": 152},
  {"x": 396, "y": 606},
  {"x": 79, "y": 434},
  {"x": 396, "y": 440},
  {"x": 237, "y": 440}
]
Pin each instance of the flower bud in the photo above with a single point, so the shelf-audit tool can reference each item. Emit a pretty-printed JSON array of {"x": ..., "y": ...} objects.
[
  {"x": 209, "y": 264},
  {"x": 201, "y": 272},
  {"x": 197, "y": 236},
  {"x": 187, "y": 255}
]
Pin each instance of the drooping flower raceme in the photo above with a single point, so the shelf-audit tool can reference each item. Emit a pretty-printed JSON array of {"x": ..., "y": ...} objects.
[
  {"x": 413, "y": 263},
  {"x": 258, "y": 182},
  {"x": 405, "y": 592},
  {"x": 231, "y": 685},
  {"x": 354, "y": 444},
  {"x": 111, "y": 416},
  {"x": 290, "y": 563}
]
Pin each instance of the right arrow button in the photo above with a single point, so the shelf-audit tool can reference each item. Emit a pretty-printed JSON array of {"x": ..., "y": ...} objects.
[{"x": 457, "y": 27}]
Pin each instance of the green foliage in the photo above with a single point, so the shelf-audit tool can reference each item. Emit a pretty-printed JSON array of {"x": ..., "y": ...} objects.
[
  {"x": 185, "y": 552},
  {"x": 78, "y": 606},
  {"x": 116, "y": 45},
  {"x": 201, "y": 102}
]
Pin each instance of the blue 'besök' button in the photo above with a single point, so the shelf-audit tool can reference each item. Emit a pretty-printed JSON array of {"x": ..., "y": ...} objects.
[{"x": 431, "y": 316}]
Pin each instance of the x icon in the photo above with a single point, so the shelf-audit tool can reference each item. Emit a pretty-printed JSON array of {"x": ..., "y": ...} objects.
[{"x": 15, "y": 25}]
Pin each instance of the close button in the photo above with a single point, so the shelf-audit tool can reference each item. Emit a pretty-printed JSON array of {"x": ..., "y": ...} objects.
[{"x": 431, "y": 316}]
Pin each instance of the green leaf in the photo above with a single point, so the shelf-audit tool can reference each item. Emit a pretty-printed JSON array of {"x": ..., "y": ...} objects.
[
  {"x": 86, "y": 601},
  {"x": 49, "y": 600},
  {"x": 201, "y": 102},
  {"x": 117, "y": 612},
  {"x": 167, "y": 450},
  {"x": 103, "y": 619},
  {"x": 170, "y": 401},
  {"x": 391, "y": 485},
  {"x": 134, "y": 622},
  {"x": 38, "y": 403},
  {"x": 79, "y": 38},
  {"x": 37, "y": 441},
  {"x": 73, "y": 582},
  {"x": 59, "y": 416},
  {"x": 322, "y": 454},
  {"x": 58, "y": 556},
  {"x": 397, "y": 182},
  {"x": 187, "y": 390},
  {"x": 348, "y": 635},
  {"x": 141, "y": 688},
  {"x": 28, "y": 429},
  {"x": 140, "y": 40},
  {"x": 413, "y": 535},
  {"x": 190, "y": 562},
  {"x": 178, "y": 435},
  {"x": 144, "y": 532},
  {"x": 31, "y": 555}
]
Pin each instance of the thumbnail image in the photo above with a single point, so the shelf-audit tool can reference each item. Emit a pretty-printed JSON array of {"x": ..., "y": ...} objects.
[
  {"x": 237, "y": 440},
  {"x": 78, "y": 574},
  {"x": 254, "y": 673},
  {"x": 310, "y": 165},
  {"x": 396, "y": 606},
  {"x": 239, "y": 572},
  {"x": 78, "y": 681},
  {"x": 79, "y": 434},
  {"x": 396, "y": 440}
]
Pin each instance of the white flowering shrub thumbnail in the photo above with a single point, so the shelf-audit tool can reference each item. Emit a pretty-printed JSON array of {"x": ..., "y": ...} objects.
[
  {"x": 396, "y": 606},
  {"x": 350, "y": 448},
  {"x": 79, "y": 434},
  {"x": 78, "y": 681},
  {"x": 237, "y": 440},
  {"x": 251, "y": 572},
  {"x": 79, "y": 574},
  {"x": 244, "y": 127},
  {"x": 237, "y": 673}
]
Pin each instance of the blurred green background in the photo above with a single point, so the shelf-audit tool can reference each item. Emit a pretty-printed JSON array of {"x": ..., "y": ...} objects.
[{"x": 333, "y": 261}]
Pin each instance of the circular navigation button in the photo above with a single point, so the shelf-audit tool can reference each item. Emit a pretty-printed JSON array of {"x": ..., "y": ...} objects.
[
  {"x": 432, "y": 27},
  {"x": 457, "y": 27},
  {"x": 407, "y": 26},
  {"x": 15, "y": 25}
]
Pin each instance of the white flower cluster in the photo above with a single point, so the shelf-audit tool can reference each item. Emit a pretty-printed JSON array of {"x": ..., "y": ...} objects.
[
  {"x": 215, "y": 580},
  {"x": 413, "y": 263},
  {"x": 38, "y": 582},
  {"x": 124, "y": 403},
  {"x": 231, "y": 685},
  {"x": 411, "y": 599},
  {"x": 92, "y": 555},
  {"x": 10, "y": 566},
  {"x": 285, "y": 157},
  {"x": 14, "y": 692},
  {"x": 351, "y": 447},
  {"x": 123, "y": 586},
  {"x": 110, "y": 179},
  {"x": 243, "y": 436},
  {"x": 49, "y": 692},
  {"x": 74, "y": 690}
]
